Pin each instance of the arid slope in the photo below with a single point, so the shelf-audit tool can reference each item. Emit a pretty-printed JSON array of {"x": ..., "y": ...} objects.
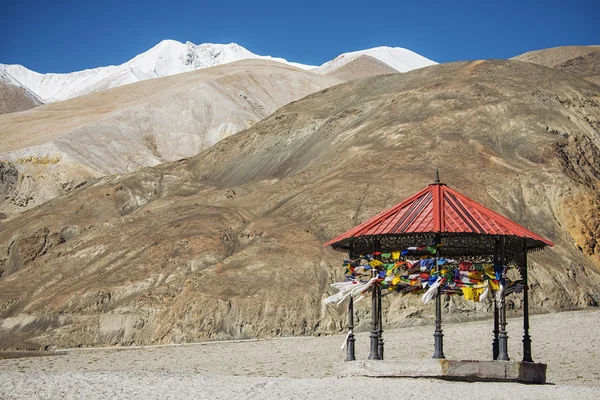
[
  {"x": 15, "y": 99},
  {"x": 51, "y": 149},
  {"x": 228, "y": 244},
  {"x": 361, "y": 67},
  {"x": 583, "y": 61}
]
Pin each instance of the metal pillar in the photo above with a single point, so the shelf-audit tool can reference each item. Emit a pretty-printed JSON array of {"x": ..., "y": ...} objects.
[
  {"x": 526, "y": 337},
  {"x": 495, "y": 331},
  {"x": 502, "y": 336},
  {"x": 438, "y": 336},
  {"x": 380, "y": 312},
  {"x": 495, "y": 305},
  {"x": 350, "y": 340},
  {"x": 374, "y": 336}
]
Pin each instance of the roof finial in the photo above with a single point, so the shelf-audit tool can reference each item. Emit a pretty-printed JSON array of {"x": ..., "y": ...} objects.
[{"x": 437, "y": 176}]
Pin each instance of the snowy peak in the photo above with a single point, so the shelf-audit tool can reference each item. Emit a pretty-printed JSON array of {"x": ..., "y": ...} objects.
[
  {"x": 167, "y": 58},
  {"x": 160, "y": 60},
  {"x": 171, "y": 57},
  {"x": 402, "y": 60},
  {"x": 208, "y": 54}
]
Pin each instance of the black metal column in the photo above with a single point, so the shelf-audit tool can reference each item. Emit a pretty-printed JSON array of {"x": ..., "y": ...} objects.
[
  {"x": 526, "y": 337},
  {"x": 495, "y": 331},
  {"x": 438, "y": 336},
  {"x": 374, "y": 336},
  {"x": 380, "y": 312},
  {"x": 350, "y": 340},
  {"x": 495, "y": 305},
  {"x": 502, "y": 336}
]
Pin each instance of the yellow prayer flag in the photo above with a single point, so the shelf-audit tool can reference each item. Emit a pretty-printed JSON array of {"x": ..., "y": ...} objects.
[
  {"x": 475, "y": 275},
  {"x": 489, "y": 271},
  {"x": 467, "y": 293},
  {"x": 471, "y": 293}
]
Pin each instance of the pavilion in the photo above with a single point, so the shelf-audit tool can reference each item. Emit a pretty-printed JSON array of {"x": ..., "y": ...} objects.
[{"x": 441, "y": 222}]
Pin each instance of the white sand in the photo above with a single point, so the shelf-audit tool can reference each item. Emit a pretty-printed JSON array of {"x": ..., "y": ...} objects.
[{"x": 300, "y": 368}]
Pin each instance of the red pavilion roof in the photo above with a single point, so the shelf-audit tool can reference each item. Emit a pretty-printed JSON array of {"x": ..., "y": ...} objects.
[{"x": 437, "y": 208}]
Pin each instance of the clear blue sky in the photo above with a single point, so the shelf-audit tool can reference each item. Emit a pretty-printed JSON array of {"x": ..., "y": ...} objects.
[{"x": 64, "y": 36}]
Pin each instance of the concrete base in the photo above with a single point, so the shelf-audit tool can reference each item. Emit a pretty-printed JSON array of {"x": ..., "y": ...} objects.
[{"x": 496, "y": 371}]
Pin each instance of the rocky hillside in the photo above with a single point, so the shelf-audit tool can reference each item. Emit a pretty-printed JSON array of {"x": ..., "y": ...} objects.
[
  {"x": 583, "y": 61},
  {"x": 228, "y": 244},
  {"x": 14, "y": 99},
  {"x": 54, "y": 148}
]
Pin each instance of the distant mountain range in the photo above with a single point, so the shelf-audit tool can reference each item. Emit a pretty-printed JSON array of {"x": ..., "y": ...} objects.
[{"x": 171, "y": 57}]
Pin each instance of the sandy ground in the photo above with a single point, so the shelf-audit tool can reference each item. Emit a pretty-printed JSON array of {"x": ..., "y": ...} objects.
[{"x": 300, "y": 368}]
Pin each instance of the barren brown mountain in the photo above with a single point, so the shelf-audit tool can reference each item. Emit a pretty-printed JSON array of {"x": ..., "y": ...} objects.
[
  {"x": 582, "y": 61},
  {"x": 52, "y": 149},
  {"x": 15, "y": 99},
  {"x": 361, "y": 67},
  {"x": 228, "y": 244}
]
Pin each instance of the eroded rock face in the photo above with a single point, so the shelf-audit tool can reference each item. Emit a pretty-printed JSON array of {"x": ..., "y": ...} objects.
[
  {"x": 8, "y": 178},
  {"x": 228, "y": 244}
]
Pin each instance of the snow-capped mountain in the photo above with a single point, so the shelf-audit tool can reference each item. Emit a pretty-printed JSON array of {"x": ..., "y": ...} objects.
[
  {"x": 169, "y": 57},
  {"x": 402, "y": 60}
]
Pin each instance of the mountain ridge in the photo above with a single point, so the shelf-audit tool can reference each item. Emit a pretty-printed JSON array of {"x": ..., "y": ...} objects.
[
  {"x": 398, "y": 58},
  {"x": 583, "y": 61},
  {"x": 170, "y": 57}
]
